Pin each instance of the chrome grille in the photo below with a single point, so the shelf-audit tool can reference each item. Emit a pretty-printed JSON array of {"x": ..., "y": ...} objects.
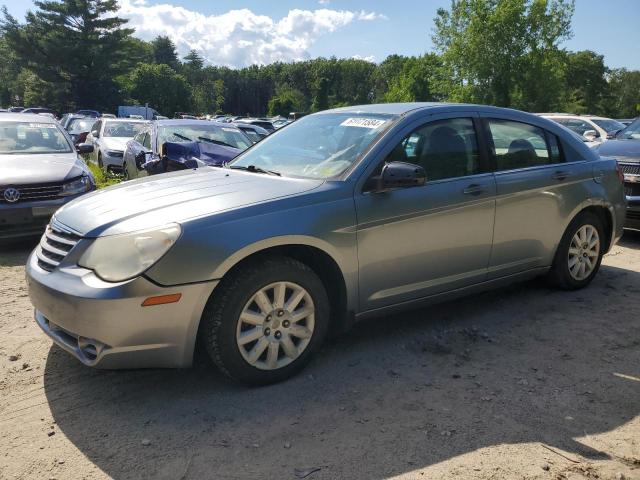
[
  {"x": 630, "y": 168},
  {"x": 55, "y": 244},
  {"x": 44, "y": 191}
]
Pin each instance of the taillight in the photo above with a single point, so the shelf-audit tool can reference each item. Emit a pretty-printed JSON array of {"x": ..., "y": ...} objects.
[{"x": 619, "y": 172}]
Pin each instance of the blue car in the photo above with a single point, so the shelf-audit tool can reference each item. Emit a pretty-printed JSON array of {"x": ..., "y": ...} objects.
[{"x": 170, "y": 145}]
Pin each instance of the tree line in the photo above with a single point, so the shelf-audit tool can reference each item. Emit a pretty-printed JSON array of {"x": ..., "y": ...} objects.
[{"x": 68, "y": 55}]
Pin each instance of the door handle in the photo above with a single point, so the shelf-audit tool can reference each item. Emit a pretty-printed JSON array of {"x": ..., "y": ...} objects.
[
  {"x": 474, "y": 189},
  {"x": 561, "y": 175}
]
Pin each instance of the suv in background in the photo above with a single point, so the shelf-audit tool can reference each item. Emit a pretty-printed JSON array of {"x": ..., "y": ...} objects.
[{"x": 594, "y": 130}]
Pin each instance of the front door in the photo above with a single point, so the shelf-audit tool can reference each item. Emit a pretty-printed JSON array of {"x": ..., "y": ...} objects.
[{"x": 420, "y": 241}]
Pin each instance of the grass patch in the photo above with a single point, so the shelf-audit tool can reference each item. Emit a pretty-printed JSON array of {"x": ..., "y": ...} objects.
[{"x": 103, "y": 179}]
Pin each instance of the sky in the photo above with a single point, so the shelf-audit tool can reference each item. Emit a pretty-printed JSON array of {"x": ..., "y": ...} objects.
[{"x": 239, "y": 33}]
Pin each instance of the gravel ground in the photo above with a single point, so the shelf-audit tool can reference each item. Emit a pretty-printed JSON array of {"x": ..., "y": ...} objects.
[{"x": 525, "y": 382}]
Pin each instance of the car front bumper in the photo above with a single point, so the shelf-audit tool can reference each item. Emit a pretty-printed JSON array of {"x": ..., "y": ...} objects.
[
  {"x": 28, "y": 219},
  {"x": 113, "y": 161},
  {"x": 104, "y": 324}
]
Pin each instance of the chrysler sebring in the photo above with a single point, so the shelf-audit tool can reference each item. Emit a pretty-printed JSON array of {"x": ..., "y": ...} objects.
[{"x": 344, "y": 214}]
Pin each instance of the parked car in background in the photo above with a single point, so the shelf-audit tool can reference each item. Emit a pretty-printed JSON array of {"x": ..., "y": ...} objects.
[
  {"x": 16, "y": 109},
  {"x": 89, "y": 113},
  {"x": 184, "y": 116},
  {"x": 109, "y": 138},
  {"x": 254, "y": 132},
  {"x": 108, "y": 115},
  {"x": 595, "y": 130},
  {"x": 625, "y": 148},
  {"x": 343, "y": 215},
  {"x": 262, "y": 123},
  {"x": 78, "y": 127},
  {"x": 625, "y": 121},
  {"x": 280, "y": 123},
  {"x": 144, "y": 155},
  {"x": 41, "y": 110},
  {"x": 40, "y": 170}
]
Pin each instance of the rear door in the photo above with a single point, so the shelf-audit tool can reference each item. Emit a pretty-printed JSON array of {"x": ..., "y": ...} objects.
[{"x": 539, "y": 185}]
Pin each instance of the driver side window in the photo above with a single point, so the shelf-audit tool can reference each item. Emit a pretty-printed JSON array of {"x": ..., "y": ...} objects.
[
  {"x": 146, "y": 143},
  {"x": 444, "y": 148}
]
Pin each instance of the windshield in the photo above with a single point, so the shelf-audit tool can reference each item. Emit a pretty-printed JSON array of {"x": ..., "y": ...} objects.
[
  {"x": 608, "y": 125},
  {"x": 80, "y": 125},
  {"x": 632, "y": 132},
  {"x": 30, "y": 137},
  {"x": 225, "y": 136},
  {"x": 123, "y": 129},
  {"x": 316, "y": 146}
]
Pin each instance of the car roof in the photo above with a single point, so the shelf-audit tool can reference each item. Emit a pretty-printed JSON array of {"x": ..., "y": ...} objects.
[
  {"x": 404, "y": 108},
  {"x": 27, "y": 117}
]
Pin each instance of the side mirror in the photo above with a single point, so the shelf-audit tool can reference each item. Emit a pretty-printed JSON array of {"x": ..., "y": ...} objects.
[
  {"x": 141, "y": 159},
  {"x": 591, "y": 135},
  {"x": 84, "y": 148},
  {"x": 401, "y": 175}
]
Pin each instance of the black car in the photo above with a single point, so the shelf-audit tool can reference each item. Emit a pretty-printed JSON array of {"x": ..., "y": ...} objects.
[{"x": 625, "y": 148}]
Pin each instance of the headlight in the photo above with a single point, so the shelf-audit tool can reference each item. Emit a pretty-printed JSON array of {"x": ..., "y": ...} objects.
[
  {"x": 122, "y": 257},
  {"x": 79, "y": 185},
  {"x": 114, "y": 153}
]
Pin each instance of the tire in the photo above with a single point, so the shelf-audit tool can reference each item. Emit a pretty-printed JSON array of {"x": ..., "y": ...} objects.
[
  {"x": 222, "y": 331},
  {"x": 125, "y": 171},
  {"x": 100, "y": 163},
  {"x": 563, "y": 271}
]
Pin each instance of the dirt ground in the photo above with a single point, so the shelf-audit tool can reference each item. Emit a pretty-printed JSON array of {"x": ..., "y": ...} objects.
[{"x": 523, "y": 383}]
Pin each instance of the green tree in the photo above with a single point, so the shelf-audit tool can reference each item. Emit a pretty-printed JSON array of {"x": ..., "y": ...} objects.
[
  {"x": 624, "y": 87},
  {"x": 415, "y": 82},
  {"x": 80, "y": 46},
  {"x": 161, "y": 87},
  {"x": 208, "y": 96},
  {"x": 486, "y": 45},
  {"x": 164, "y": 52},
  {"x": 586, "y": 81},
  {"x": 286, "y": 100}
]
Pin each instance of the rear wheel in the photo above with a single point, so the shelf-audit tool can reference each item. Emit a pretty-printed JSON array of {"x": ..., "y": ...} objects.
[
  {"x": 580, "y": 253},
  {"x": 100, "y": 162},
  {"x": 264, "y": 323}
]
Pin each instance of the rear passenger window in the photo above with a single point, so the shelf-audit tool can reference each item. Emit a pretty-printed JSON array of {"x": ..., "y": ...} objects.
[
  {"x": 444, "y": 148},
  {"x": 520, "y": 145}
]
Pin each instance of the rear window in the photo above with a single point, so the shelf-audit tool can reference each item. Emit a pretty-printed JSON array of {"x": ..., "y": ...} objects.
[
  {"x": 32, "y": 138},
  {"x": 520, "y": 145}
]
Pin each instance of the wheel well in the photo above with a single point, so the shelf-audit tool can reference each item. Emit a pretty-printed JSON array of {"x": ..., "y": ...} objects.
[
  {"x": 324, "y": 266},
  {"x": 607, "y": 221}
]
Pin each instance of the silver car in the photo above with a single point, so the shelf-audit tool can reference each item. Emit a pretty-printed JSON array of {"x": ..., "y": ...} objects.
[
  {"x": 109, "y": 138},
  {"x": 39, "y": 172},
  {"x": 343, "y": 215}
]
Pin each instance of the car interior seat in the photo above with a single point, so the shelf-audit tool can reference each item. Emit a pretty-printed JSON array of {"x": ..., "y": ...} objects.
[{"x": 444, "y": 155}]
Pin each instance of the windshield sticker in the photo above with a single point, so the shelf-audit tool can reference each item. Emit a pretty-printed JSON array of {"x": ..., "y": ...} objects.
[
  {"x": 363, "y": 122},
  {"x": 42, "y": 125}
]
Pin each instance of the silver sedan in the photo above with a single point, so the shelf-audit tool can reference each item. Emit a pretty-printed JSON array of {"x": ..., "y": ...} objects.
[{"x": 341, "y": 216}]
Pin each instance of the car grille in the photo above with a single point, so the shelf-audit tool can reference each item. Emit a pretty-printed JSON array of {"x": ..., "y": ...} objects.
[
  {"x": 43, "y": 191},
  {"x": 630, "y": 168},
  {"x": 55, "y": 244}
]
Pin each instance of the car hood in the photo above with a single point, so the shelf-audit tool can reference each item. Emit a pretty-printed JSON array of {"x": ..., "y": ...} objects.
[
  {"x": 115, "y": 143},
  {"x": 39, "y": 168},
  {"x": 621, "y": 149},
  {"x": 174, "y": 197}
]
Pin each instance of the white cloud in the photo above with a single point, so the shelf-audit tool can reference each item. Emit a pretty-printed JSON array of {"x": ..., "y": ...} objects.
[
  {"x": 239, "y": 38},
  {"x": 368, "y": 58}
]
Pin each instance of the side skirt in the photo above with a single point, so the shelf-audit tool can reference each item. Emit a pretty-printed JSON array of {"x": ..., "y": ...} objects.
[{"x": 453, "y": 294}]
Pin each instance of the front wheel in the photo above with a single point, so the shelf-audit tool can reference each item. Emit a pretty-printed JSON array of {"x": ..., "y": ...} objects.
[
  {"x": 579, "y": 253},
  {"x": 264, "y": 323}
]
